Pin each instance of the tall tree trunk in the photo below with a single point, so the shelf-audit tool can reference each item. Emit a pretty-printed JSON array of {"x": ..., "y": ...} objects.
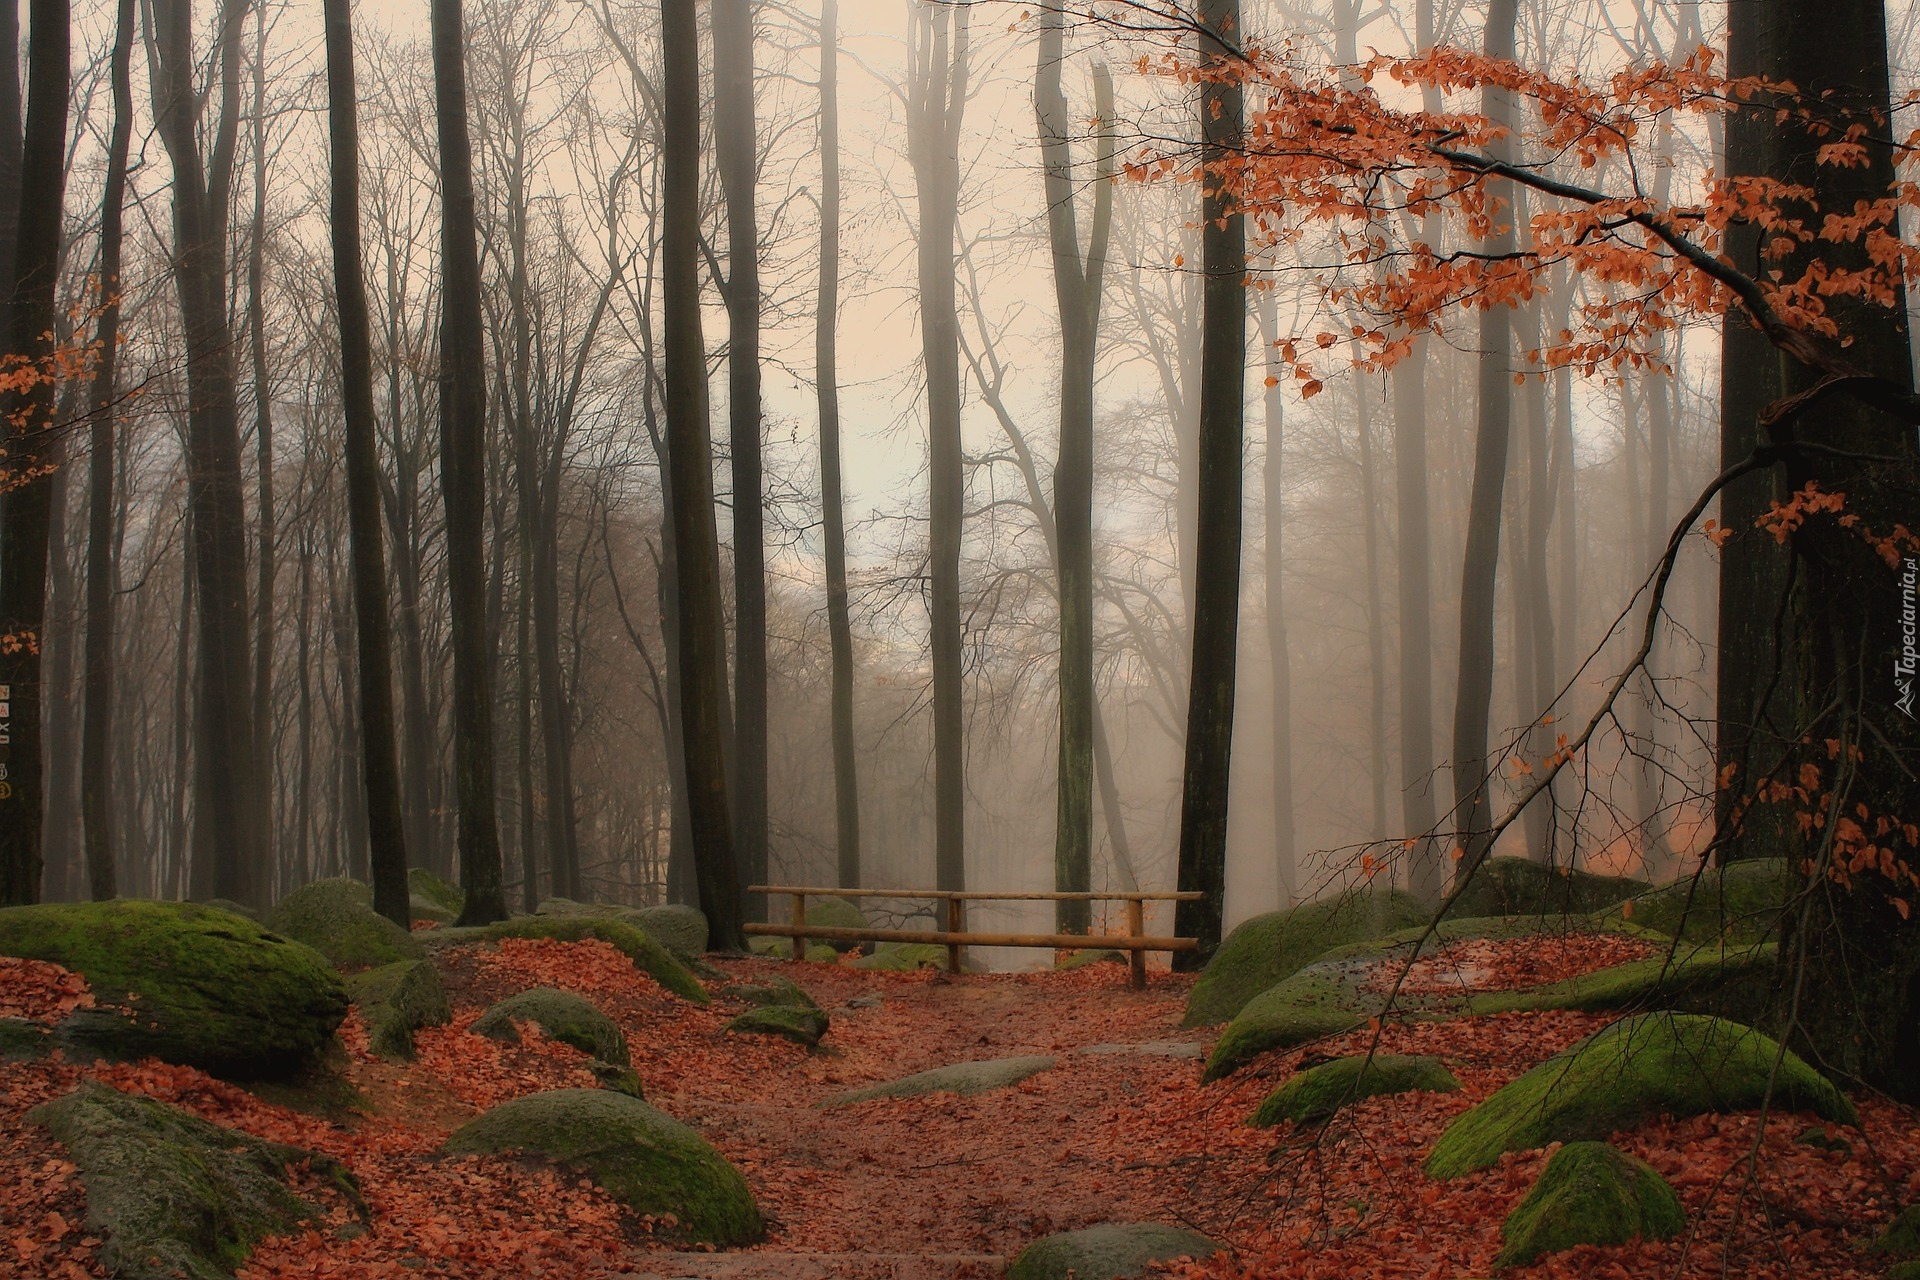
[
  {"x": 702, "y": 645},
  {"x": 1532, "y": 597},
  {"x": 1076, "y": 286},
  {"x": 833, "y": 513},
  {"x": 262, "y": 428},
  {"x": 1376, "y": 622},
  {"x": 1426, "y": 877},
  {"x": 1474, "y": 694},
  {"x": 463, "y": 477},
  {"x": 380, "y": 763},
  {"x": 1216, "y": 608},
  {"x": 936, "y": 101},
  {"x": 96, "y": 733},
  {"x": 24, "y": 517},
  {"x": 10, "y": 141},
  {"x": 1286, "y": 858}
]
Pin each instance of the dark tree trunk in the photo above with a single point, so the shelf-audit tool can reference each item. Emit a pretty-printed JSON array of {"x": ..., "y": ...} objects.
[
  {"x": 96, "y": 733},
  {"x": 1076, "y": 287},
  {"x": 380, "y": 764},
  {"x": 702, "y": 656},
  {"x": 463, "y": 477},
  {"x": 833, "y": 515},
  {"x": 1216, "y": 605},
  {"x": 264, "y": 559},
  {"x": 936, "y": 101},
  {"x": 24, "y": 517}
]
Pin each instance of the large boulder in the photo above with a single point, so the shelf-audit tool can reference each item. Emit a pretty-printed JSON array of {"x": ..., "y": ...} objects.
[
  {"x": 679, "y": 928},
  {"x": 1590, "y": 1193},
  {"x": 1318, "y": 1092},
  {"x": 1740, "y": 902},
  {"x": 336, "y": 918},
  {"x": 431, "y": 898},
  {"x": 836, "y": 913},
  {"x": 1270, "y": 948},
  {"x": 172, "y": 1195},
  {"x": 1523, "y": 887},
  {"x": 184, "y": 983},
  {"x": 1640, "y": 1067},
  {"x": 568, "y": 1018},
  {"x": 1114, "y": 1251},
  {"x": 964, "y": 1078},
  {"x": 645, "y": 1159},
  {"x": 397, "y": 1000}
]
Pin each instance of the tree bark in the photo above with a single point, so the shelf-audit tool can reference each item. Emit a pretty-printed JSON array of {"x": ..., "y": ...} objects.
[
  {"x": 264, "y": 556},
  {"x": 1286, "y": 857}
]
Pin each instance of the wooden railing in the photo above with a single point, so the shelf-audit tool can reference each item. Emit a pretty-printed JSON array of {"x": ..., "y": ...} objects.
[{"x": 955, "y": 937}]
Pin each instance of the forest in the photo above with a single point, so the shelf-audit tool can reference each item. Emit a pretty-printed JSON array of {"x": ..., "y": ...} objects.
[{"x": 1230, "y": 639}]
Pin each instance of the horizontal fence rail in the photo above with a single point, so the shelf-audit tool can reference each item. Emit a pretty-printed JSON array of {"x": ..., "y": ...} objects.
[{"x": 955, "y": 937}]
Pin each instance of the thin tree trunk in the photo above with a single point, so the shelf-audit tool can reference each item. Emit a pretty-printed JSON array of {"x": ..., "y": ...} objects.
[
  {"x": 1532, "y": 597},
  {"x": 1216, "y": 611},
  {"x": 1425, "y": 872},
  {"x": 1376, "y": 622},
  {"x": 1286, "y": 859},
  {"x": 262, "y": 428}
]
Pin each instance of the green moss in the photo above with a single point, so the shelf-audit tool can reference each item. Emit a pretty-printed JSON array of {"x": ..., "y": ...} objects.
[
  {"x": 640, "y": 1156},
  {"x": 336, "y": 918},
  {"x": 397, "y": 1000},
  {"x": 228, "y": 904},
  {"x": 1589, "y": 1193},
  {"x": 836, "y": 913},
  {"x": 1902, "y": 1235},
  {"x": 679, "y": 928},
  {"x": 617, "y": 1078},
  {"x": 1740, "y": 902},
  {"x": 1308, "y": 1006},
  {"x": 1904, "y": 1271},
  {"x": 23, "y": 1038},
  {"x": 903, "y": 957},
  {"x": 647, "y": 955},
  {"x": 1732, "y": 982},
  {"x": 1081, "y": 959},
  {"x": 566, "y": 1017},
  {"x": 184, "y": 983},
  {"x": 1268, "y": 949},
  {"x": 1112, "y": 1251},
  {"x": 1640, "y": 1067},
  {"x": 172, "y": 1194},
  {"x": 1318, "y": 1092},
  {"x": 800, "y": 1024},
  {"x": 964, "y": 1078},
  {"x": 1818, "y": 1137},
  {"x": 444, "y": 894}
]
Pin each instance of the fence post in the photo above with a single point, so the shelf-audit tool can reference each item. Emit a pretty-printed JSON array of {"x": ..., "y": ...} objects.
[
  {"x": 1136, "y": 958},
  {"x": 956, "y": 923},
  {"x": 799, "y": 923}
]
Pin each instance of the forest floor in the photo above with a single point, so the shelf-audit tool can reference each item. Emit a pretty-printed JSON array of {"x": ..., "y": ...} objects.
[{"x": 927, "y": 1188}]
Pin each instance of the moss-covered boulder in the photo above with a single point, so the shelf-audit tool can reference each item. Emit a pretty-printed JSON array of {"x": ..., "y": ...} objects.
[
  {"x": 1081, "y": 959},
  {"x": 184, "y": 983},
  {"x": 1590, "y": 1193},
  {"x": 1268, "y": 949},
  {"x": 228, "y": 904},
  {"x": 336, "y": 918},
  {"x": 1523, "y": 887},
  {"x": 647, "y": 955},
  {"x": 1902, "y": 1236},
  {"x": 836, "y": 913},
  {"x": 645, "y": 1159},
  {"x": 1318, "y": 1092},
  {"x": 172, "y": 1195},
  {"x": 1730, "y": 982},
  {"x": 1309, "y": 1006},
  {"x": 1114, "y": 1251},
  {"x": 568, "y": 1018},
  {"x": 798, "y": 1023},
  {"x": 782, "y": 949},
  {"x": 903, "y": 957},
  {"x": 447, "y": 897},
  {"x": 679, "y": 928},
  {"x": 1740, "y": 902},
  {"x": 397, "y": 1000},
  {"x": 1640, "y": 1067},
  {"x": 23, "y": 1038},
  {"x": 612, "y": 1075},
  {"x": 964, "y": 1078}
]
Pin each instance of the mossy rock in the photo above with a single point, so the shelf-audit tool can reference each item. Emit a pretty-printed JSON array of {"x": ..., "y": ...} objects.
[
  {"x": 23, "y": 1038},
  {"x": 647, "y": 955},
  {"x": 798, "y": 1023},
  {"x": 1731, "y": 982},
  {"x": 836, "y": 913},
  {"x": 336, "y": 918},
  {"x": 1904, "y": 1271},
  {"x": 419, "y": 908},
  {"x": 172, "y": 1195},
  {"x": 903, "y": 957},
  {"x": 445, "y": 895},
  {"x": 228, "y": 904},
  {"x": 1648, "y": 1065},
  {"x": 1309, "y": 1006},
  {"x": 642, "y": 1157},
  {"x": 612, "y": 1075},
  {"x": 1740, "y": 902},
  {"x": 1268, "y": 949},
  {"x": 1902, "y": 1235},
  {"x": 775, "y": 990},
  {"x": 1081, "y": 959},
  {"x": 963, "y": 1078},
  {"x": 397, "y": 1000},
  {"x": 1318, "y": 1092},
  {"x": 1114, "y": 1251},
  {"x": 679, "y": 928},
  {"x": 1522, "y": 887},
  {"x": 566, "y": 1017},
  {"x": 1590, "y": 1193},
  {"x": 184, "y": 983},
  {"x": 782, "y": 949}
]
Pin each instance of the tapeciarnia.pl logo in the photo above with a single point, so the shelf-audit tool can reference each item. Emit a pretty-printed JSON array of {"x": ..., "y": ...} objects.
[{"x": 1909, "y": 659}]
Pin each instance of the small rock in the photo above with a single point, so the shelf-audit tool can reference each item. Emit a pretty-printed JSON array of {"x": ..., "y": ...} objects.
[
  {"x": 802, "y": 1024},
  {"x": 617, "y": 1078},
  {"x": 1590, "y": 1193},
  {"x": 1318, "y": 1092},
  {"x": 870, "y": 1001},
  {"x": 563, "y": 1015},
  {"x": 964, "y": 1078}
]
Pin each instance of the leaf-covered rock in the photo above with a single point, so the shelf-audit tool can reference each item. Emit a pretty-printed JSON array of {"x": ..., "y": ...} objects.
[
  {"x": 397, "y": 1000},
  {"x": 1268, "y": 949},
  {"x": 1740, "y": 902},
  {"x": 801, "y": 1024},
  {"x": 1733, "y": 982},
  {"x": 1318, "y": 1092},
  {"x": 1640, "y": 1067},
  {"x": 1523, "y": 887},
  {"x": 184, "y": 983},
  {"x": 1590, "y": 1193},
  {"x": 336, "y": 918},
  {"x": 568, "y": 1018},
  {"x": 647, "y": 955},
  {"x": 1113, "y": 1251},
  {"x": 172, "y": 1195},
  {"x": 642, "y": 1157},
  {"x": 964, "y": 1078}
]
